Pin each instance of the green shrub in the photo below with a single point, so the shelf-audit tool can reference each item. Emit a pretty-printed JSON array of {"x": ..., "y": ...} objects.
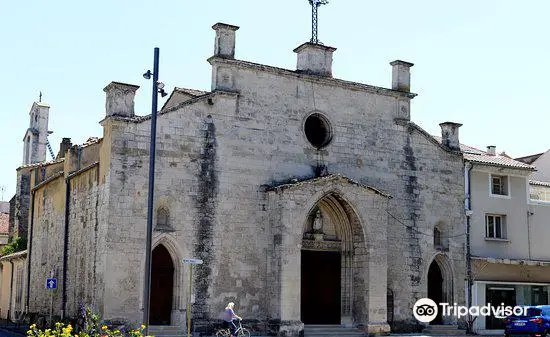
[{"x": 16, "y": 245}]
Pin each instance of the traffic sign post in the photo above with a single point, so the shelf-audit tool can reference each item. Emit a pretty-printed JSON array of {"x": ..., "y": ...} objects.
[
  {"x": 191, "y": 263},
  {"x": 51, "y": 285}
]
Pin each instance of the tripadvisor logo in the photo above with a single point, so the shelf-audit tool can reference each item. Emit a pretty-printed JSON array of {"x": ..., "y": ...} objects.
[{"x": 425, "y": 310}]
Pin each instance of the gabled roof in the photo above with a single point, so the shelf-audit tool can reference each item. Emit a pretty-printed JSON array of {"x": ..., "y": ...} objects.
[
  {"x": 497, "y": 160},
  {"x": 191, "y": 92},
  {"x": 531, "y": 158},
  {"x": 475, "y": 155},
  {"x": 331, "y": 177}
]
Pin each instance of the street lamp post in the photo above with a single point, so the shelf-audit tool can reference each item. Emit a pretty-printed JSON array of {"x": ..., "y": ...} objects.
[{"x": 157, "y": 88}]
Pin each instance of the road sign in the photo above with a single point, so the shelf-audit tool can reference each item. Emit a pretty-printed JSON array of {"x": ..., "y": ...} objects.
[
  {"x": 192, "y": 261},
  {"x": 51, "y": 283}
]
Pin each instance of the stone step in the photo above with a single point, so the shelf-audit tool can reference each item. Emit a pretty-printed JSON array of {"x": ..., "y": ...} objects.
[
  {"x": 331, "y": 330},
  {"x": 444, "y": 330},
  {"x": 166, "y": 331}
]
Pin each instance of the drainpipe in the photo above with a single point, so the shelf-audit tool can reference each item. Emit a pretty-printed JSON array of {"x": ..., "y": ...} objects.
[
  {"x": 29, "y": 254},
  {"x": 11, "y": 292},
  {"x": 66, "y": 245},
  {"x": 66, "y": 231},
  {"x": 467, "y": 174}
]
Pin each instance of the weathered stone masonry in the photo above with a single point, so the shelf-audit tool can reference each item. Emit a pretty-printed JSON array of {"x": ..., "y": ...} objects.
[{"x": 241, "y": 181}]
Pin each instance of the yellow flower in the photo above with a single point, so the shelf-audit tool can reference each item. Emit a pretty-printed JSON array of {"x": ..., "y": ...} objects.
[
  {"x": 143, "y": 326},
  {"x": 104, "y": 327},
  {"x": 29, "y": 332}
]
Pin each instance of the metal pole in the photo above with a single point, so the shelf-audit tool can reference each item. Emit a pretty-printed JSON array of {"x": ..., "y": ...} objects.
[
  {"x": 189, "y": 301},
  {"x": 147, "y": 282}
]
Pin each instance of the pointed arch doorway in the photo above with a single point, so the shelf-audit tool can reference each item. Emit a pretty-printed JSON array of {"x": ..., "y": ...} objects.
[
  {"x": 330, "y": 273},
  {"x": 440, "y": 284},
  {"x": 162, "y": 287}
]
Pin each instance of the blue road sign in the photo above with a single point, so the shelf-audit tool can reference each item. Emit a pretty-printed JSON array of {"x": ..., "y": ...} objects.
[{"x": 51, "y": 284}]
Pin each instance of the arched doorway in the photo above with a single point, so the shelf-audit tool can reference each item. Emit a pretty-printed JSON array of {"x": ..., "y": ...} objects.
[
  {"x": 435, "y": 288},
  {"x": 162, "y": 287},
  {"x": 329, "y": 272}
]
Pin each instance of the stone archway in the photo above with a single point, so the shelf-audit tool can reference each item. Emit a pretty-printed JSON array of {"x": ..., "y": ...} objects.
[
  {"x": 440, "y": 283},
  {"x": 162, "y": 287},
  {"x": 330, "y": 273}
]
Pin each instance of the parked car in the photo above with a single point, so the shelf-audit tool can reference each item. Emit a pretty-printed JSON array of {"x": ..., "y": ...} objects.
[{"x": 536, "y": 323}]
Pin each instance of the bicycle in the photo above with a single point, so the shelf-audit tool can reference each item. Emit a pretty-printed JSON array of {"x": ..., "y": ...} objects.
[{"x": 240, "y": 332}]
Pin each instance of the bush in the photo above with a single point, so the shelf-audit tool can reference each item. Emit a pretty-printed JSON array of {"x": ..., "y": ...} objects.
[
  {"x": 61, "y": 330},
  {"x": 17, "y": 245},
  {"x": 87, "y": 325}
]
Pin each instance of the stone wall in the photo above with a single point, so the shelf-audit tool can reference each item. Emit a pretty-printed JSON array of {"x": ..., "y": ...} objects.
[
  {"x": 85, "y": 245},
  {"x": 214, "y": 154},
  {"x": 47, "y": 246}
]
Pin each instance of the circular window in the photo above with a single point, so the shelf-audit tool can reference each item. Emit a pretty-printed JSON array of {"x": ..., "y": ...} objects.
[{"x": 318, "y": 131}]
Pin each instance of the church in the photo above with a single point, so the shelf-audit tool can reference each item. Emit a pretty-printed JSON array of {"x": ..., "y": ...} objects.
[{"x": 309, "y": 199}]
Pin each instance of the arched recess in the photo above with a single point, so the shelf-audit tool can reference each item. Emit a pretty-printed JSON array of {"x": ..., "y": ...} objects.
[
  {"x": 332, "y": 231},
  {"x": 162, "y": 287},
  {"x": 447, "y": 275},
  {"x": 178, "y": 293}
]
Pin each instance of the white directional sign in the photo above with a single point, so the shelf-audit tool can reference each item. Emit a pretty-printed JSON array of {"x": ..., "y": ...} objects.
[
  {"x": 192, "y": 261},
  {"x": 51, "y": 283}
]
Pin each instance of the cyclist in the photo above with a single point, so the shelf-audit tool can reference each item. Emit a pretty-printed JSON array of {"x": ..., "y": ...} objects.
[{"x": 230, "y": 317}]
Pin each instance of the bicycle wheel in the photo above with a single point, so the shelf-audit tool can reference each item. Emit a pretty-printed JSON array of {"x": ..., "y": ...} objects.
[
  {"x": 244, "y": 333},
  {"x": 222, "y": 333}
]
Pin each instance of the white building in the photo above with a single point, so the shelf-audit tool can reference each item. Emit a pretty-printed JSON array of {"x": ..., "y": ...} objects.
[{"x": 509, "y": 234}]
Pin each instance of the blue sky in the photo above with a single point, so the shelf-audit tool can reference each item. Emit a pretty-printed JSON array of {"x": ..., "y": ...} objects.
[{"x": 481, "y": 63}]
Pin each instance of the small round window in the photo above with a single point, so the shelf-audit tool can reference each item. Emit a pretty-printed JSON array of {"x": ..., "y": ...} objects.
[{"x": 318, "y": 131}]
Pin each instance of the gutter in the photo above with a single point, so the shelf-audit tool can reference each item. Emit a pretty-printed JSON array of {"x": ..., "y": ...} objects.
[
  {"x": 66, "y": 244},
  {"x": 468, "y": 209},
  {"x": 29, "y": 255},
  {"x": 11, "y": 292}
]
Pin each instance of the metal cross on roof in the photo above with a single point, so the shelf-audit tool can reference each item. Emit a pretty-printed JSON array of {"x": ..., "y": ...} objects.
[{"x": 314, "y": 18}]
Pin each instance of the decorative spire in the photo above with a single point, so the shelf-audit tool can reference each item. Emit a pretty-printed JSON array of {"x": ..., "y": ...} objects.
[
  {"x": 40, "y": 97},
  {"x": 314, "y": 18}
]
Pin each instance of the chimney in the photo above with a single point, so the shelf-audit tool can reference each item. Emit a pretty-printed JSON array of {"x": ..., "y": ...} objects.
[
  {"x": 449, "y": 135},
  {"x": 491, "y": 150},
  {"x": 224, "y": 45},
  {"x": 120, "y": 99},
  {"x": 315, "y": 59},
  {"x": 401, "y": 75},
  {"x": 63, "y": 147}
]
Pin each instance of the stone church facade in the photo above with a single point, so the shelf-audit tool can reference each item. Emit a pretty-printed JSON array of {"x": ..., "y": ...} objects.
[{"x": 299, "y": 192}]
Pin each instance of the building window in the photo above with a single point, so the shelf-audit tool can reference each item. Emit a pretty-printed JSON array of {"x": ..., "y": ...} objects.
[
  {"x": 318, "y": 130},
  {"x": 499, "y": 185},
  {"x": 437, "y": 238},
  {"x": 495, "y": 226}
]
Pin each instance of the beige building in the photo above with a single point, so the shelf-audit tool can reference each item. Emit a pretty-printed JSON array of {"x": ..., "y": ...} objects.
[
  {"x": 509, "y": 235},
  {"x": 12, "y": 285},
  {"x": 310, "y": 199}
]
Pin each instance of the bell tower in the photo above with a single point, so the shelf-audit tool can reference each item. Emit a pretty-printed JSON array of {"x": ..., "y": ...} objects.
[{"x": 36, "y": 136}]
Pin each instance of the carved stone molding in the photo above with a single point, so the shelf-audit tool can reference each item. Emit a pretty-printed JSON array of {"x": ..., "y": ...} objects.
[{"x": 321, "y": 245}]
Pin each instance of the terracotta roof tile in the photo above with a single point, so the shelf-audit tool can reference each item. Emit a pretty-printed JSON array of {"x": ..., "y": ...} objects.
[
  {"x": 4, "y": 222},
  {"x": 497, "y": 160},
  {"x": 481, "y": 157},
  {"x": 539, "y": 183}
]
